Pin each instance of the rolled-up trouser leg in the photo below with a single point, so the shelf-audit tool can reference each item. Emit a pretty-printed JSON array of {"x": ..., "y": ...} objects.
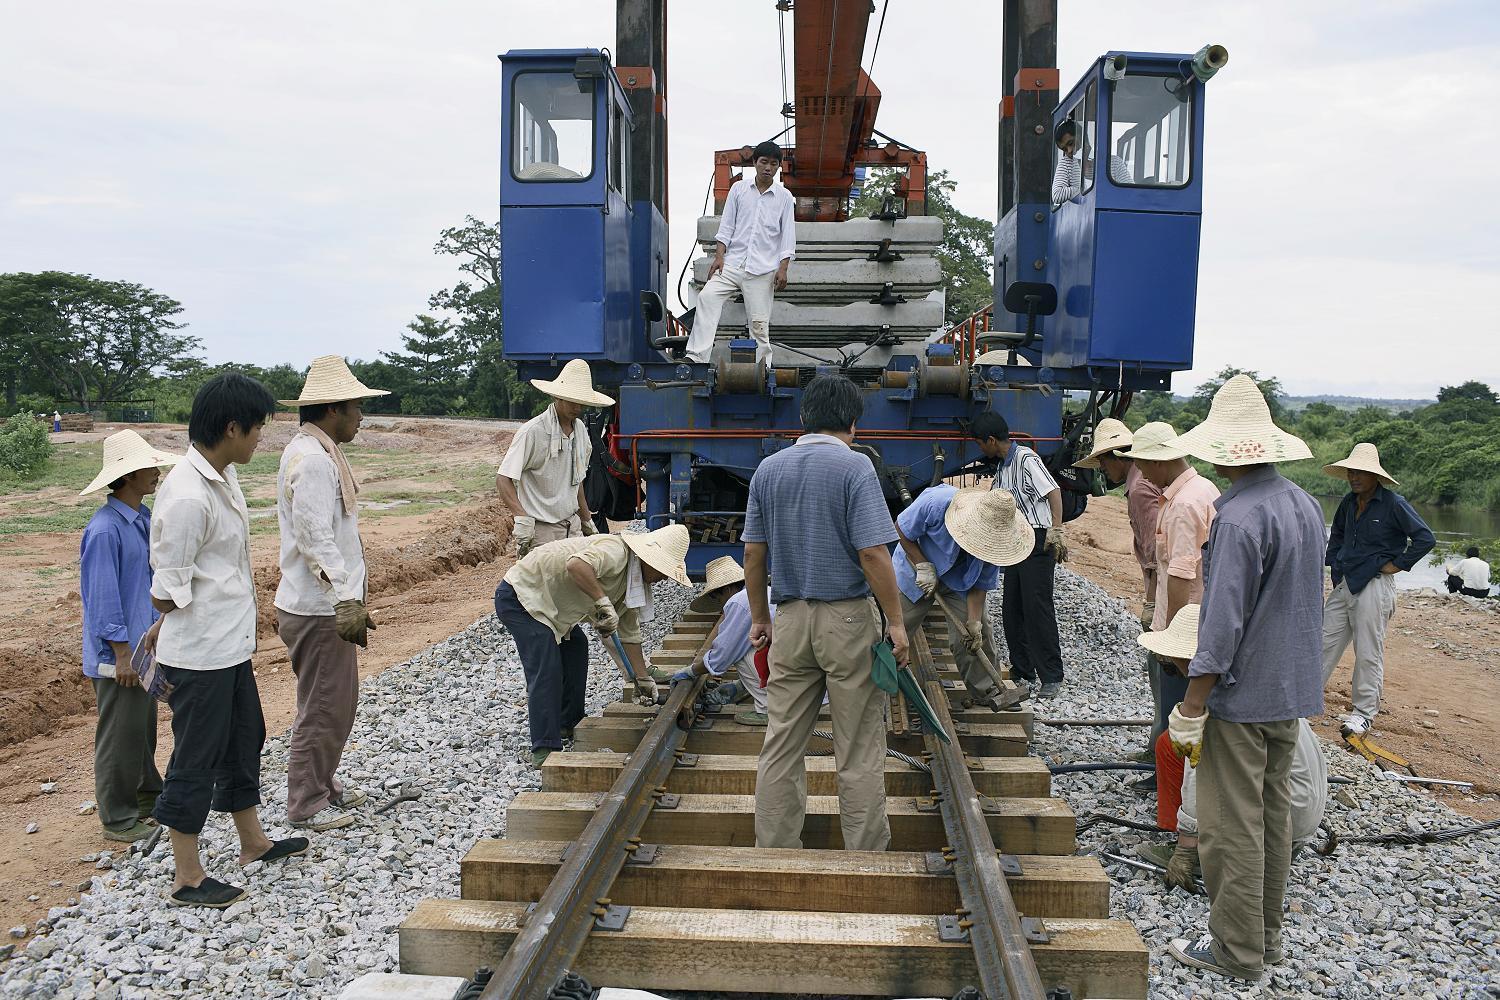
[
  {"x": 793, "y": 695},
  {"x": 215, "y": 750},
  {"x": 239, "y": 787}
]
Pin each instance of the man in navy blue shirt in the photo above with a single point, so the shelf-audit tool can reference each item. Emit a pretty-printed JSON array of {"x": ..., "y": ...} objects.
[
  {"x": 115, "y": 584},
  {"x": 1375, "y": 535}
]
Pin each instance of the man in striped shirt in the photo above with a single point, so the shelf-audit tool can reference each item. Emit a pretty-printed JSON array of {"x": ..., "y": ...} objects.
[{"x": 1027, "y": 612}]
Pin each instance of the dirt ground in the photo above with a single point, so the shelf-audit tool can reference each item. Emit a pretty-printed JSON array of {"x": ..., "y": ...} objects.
[
  {"x": 435, "y": 540},
  {"x": 1441, "y": 705}
]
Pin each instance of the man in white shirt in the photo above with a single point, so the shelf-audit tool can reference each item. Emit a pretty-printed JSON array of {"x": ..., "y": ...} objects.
[
  {"x": 754, "y": 247},
  {"x": 320, "y": 602},
  {"x": 541, "y": 476},
  {"x": 1474, "y": 573},
  {"x": 1028, "y": 614},
  {"x": 1074, "y": 166},
  {"x": 200, "y": 553}
]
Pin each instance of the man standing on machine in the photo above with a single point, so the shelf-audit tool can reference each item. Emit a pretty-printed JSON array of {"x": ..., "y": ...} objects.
[{"x": 753, "y": 250}]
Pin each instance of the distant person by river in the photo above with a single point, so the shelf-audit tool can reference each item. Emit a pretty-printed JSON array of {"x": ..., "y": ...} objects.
[{"x": 1473, "y": 574}]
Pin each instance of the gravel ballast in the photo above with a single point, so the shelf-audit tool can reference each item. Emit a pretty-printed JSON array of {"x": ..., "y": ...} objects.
[{"x": 451, "y": 722}]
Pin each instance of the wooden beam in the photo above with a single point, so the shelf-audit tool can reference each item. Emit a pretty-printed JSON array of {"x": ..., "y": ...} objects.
[
  {"x": 743, "y": 878},
  {"x": 1019, "y": 826},
  {"x": 577, "y": 771},
  {"x": 725, "y": 736},
  {"x": 776, "y": 951}
]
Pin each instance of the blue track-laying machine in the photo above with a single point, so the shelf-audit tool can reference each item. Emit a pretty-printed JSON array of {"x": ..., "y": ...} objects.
[{"x": 1095, "y": 287}]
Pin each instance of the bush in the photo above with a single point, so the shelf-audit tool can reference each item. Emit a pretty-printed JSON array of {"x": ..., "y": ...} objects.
[{"x": 24, "y": 447}]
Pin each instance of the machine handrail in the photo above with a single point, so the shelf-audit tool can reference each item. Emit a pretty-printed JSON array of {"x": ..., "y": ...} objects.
[{"x": 964, "y": 336}]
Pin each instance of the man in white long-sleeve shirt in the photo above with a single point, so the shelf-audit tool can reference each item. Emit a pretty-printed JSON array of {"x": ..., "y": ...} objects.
[
  {"x": 754, "y": 248},
  {"x": 320, "y": 602},
  {"x": 1074, "y": 166}
]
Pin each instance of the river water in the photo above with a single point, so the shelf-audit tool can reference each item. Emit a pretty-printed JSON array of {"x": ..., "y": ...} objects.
[{"x": 1449, "y": 524}]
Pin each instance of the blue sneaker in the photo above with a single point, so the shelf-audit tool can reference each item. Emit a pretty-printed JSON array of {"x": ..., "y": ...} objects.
[{"x": 1199, "y": 954}]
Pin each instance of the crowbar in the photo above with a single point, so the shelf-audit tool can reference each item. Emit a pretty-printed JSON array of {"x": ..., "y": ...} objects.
[
  {"x": 1412, "y": 780},
  {"x": 979, "y": 653}
]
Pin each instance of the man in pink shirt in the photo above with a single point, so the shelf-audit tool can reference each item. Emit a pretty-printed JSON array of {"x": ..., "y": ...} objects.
[
  {"x": 1182, "y": 529},
  {"x": 1142, "y": 501}
]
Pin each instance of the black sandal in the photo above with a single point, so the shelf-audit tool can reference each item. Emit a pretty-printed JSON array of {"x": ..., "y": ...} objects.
[
  {"x": 288, "y": 848},
  {"x": 210, "y": 892}
]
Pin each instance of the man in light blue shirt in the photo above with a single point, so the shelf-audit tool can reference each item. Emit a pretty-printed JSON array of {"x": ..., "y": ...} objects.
[
  {"x": 727, "y": 645},
  {"x": 952, "y": 547}
]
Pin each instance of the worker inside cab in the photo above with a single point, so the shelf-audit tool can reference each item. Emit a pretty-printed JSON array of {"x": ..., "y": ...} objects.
[{"x": 1075, "y": 166}]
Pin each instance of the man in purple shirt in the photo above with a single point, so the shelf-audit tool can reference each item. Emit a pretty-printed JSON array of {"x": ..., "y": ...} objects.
[
  {"x": 1257, "y": 671},
  {"x": 115, "y": 584}
]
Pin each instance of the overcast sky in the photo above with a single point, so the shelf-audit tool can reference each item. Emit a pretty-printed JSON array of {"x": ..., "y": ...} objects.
[{"x": 283, "y": 169}]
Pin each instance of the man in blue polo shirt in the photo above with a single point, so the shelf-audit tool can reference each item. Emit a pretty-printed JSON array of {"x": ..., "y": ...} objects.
[
  {"x": 1375, "y": 535},
  {"x": 952, "y": 547},
  {"x": 817, "y": 511}
]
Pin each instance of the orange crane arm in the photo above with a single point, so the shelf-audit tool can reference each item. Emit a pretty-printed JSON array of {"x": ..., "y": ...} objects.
[{"x": 835, "y": 104}]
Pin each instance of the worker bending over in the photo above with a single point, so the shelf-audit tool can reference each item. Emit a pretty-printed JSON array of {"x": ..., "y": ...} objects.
[
  {"x": 1260, "y": 632},
  {"x": 1375, "y": 535},
  {"x": 541, "y": 476},
  {"x": 753, "y": 251},
  {"x": 816, "y": 510},
  {"x": 1177, "y": 797},
  {"x": 728, "y": 643},
  {"x": 605, "y": 579},
  {"x": 952, "y": 547}
]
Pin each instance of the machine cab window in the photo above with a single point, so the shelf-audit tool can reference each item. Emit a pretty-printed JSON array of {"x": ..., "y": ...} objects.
[
  {"x": 553, "y": 119},
  {"x": 1151, "y": 131},
  {"x": 1073, "y": 147}
]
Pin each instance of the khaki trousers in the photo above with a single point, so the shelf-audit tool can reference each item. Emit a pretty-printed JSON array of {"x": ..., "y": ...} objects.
[
  {"x": 1245, "y": 837},
  {"x": 977, "y": 679},
  {"x": 1360, "y": 618},
  {"x": 818, "y": 646},
  {"x": 327, "y": 670},
  {"x": 547, "y": 531},
  {"x": 759, "y": 295}
]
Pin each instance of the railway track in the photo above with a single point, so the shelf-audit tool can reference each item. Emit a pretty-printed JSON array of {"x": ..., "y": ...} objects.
[{"x": 635, "y": 866}]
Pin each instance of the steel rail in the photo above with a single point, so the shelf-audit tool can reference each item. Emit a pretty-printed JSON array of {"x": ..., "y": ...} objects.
[
  {"x": 1002, "y": 954},
  {"x": 555, "y": 931}
]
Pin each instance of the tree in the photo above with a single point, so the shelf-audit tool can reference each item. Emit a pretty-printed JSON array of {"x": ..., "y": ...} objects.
[
  {"x": 1269, "y": 387},
  {"x": 85, "y": 338},
  {"x": 1469, "y": 390},
  {"x": 435, "y": 360},
  {"x": 967, "y": 252}
]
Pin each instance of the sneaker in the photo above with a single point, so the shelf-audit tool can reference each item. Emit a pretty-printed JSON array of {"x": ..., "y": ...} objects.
[
  {"x": 330, "y": 817},
  {"x": 539, "y": 757},
  {"x": 1144, "y": 786},
  {"x": 1354, "y": 724},
  {"x": 140, "y": 831},
  {"x": 1050, "y": 690},
  {"x": 1156, "y": 854},
  {"x": 1199, "y": 954},
  {"x": 751, "y": 718},
  {"x": 1143, "y": 756},
  {"x": 349, "y": 798}
]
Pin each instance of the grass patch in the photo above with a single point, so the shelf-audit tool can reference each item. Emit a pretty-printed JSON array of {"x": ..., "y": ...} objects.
[
  {"x": 64, "y": 519},
  {"x": 71, "y": 466}
]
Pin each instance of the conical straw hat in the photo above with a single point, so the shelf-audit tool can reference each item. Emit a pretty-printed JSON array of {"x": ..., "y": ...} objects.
[
  {"x": 1239, "y": 430},
  {"x": 985, "y": 524},
  {"x": 664, "y": 550},
  {"x": 1110, "y": 435},
  {"x": 1364, "y": 458},
  {"x": 575, "y": 384},
  {"x": 329, "y": 380},
  {"x": 722, "y": 572},
  {"x": 1179, "y": 639},
  {"x": 126, "y": 452},
  {"x": 1152, "y": 443}
]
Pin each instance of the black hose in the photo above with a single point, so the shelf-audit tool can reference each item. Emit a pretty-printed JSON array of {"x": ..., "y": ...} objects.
[
  {"x": 1104, "y": 765},
  {"x": 1094, "y": 819},
  {"x": 1404, "y": 837}
]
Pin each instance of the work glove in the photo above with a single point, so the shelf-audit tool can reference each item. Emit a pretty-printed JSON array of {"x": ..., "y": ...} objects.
[
  {"x": 973, "y": 635},
  {"x": 1186, "y": 734},
  {"x": 682, "y": 675},
  {"x": 1148, "y": 613},
  {"x": 724, "y": 694},
  {"x": 1056, "y": 544},
  {"x": 605, "y": 618},
  {"x": 645, "y": 691},
  {"x": 587, "y": 524},
  {"x": 1183, "y": 869},
  {"x": 926, "y": 578},
  {"x": 352, "y": 622},
  {"x": 524, "y": 533}
]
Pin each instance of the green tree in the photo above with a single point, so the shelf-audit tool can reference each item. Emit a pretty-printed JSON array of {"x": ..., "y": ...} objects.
[
  {"x": 1269, "y": 387},
  {"x": 1469, "y": 390},
  {"x": 88, "y": 339},
  {"x": 436, "y": 362},
  {"x": 967, "y": 252}
]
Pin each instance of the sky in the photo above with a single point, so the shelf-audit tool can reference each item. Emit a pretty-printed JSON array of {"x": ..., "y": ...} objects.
[{"x": 283, "y": 169}]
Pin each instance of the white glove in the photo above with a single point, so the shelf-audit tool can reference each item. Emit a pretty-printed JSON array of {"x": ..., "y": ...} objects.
[
  {"x": 525, "y": 534},
  {"x": 587, "y": 524},
  {"x": 606, "y": 620},
  {"x": 645, "y": 691},
  {"x": 926, "y": 578},
  {"x": 1056, "y": 544},
  {"x": 974, "y": 635},
  {"x": 1186, "y": 734}
]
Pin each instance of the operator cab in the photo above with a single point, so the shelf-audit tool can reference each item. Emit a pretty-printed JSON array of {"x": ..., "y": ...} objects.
[
  {"x": 1127, "y": 201},
  {"x": 565, "y": 210}
]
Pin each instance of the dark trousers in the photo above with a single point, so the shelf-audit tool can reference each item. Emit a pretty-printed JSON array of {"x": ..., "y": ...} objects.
[
  {"x": 1168, "y": 688},
  {"x": 126, "y": 781},
  {"x": 557, "y": 675},
  {"x": 217, "y": 735},
  {"x": 1029, "y": 618}
]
